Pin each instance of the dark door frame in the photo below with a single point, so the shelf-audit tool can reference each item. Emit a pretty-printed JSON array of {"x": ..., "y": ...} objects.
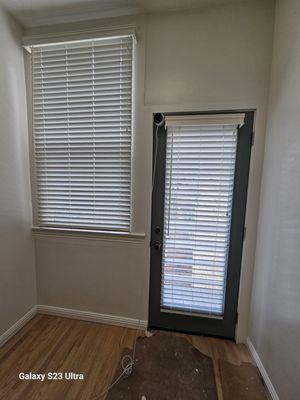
[{"x": 213, "y": 326}]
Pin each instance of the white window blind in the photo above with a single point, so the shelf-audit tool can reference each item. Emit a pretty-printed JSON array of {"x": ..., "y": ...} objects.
[
  {"x": 82, "y": 107},
  {"x": 200, "y": 168}
]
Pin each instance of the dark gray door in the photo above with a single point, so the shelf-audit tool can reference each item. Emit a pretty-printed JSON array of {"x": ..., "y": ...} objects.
[{"x": 198, "y": 211}]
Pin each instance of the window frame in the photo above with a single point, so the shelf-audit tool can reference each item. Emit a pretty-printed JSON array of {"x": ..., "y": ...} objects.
[{"x": 70, "y": 230}]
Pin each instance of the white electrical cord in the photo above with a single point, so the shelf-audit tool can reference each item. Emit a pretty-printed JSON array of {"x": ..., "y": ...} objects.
[
  {"x": 127, "y": 368},
  {"x": 127, "y": 361},
  {"x": 155, "y": 157}
]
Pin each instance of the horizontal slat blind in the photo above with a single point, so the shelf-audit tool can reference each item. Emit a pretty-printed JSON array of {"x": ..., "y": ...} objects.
[
  {"x": 200, "y": 167},
  {"x": 82, "y": 100}
]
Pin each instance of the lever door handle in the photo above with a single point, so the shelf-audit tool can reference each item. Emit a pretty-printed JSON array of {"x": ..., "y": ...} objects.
[{"x": 157, "y": 245}]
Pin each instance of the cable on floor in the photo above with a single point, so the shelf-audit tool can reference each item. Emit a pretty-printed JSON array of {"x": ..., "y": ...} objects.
[{"x": 127, "y": 363}]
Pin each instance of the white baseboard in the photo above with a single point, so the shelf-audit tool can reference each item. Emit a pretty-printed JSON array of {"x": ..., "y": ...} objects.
[
  {"x": 17, "y": 326},
  {"x": 92, "y": 316},
  {"x": 262, "y": 370}
]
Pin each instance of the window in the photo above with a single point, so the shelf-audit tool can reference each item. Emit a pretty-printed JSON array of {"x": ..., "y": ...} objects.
[
  {"x": 200, "y": 169},
  {"x": 82, "y": 124}
]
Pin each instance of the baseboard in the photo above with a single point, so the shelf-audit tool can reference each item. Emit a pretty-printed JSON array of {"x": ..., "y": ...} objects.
[
  {"x": 17, "y": 326},
  {"x": 262, "y": 370},
  {"x": 92, "y": 316}
]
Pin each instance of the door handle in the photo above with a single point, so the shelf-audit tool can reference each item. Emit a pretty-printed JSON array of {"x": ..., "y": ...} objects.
[{"x": 157, "y": 245}]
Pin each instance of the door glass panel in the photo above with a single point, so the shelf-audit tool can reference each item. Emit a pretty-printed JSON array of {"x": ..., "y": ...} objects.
[{"x": 200, "y": 167}]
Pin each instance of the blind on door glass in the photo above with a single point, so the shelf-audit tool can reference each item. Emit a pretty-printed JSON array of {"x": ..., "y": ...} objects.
[
  {"x": 82, "y": 101},
  {"x": 200, "y": 167}
]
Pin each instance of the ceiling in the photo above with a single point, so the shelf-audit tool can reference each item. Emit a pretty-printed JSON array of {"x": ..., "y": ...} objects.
[{"x": 43, "y": 12}]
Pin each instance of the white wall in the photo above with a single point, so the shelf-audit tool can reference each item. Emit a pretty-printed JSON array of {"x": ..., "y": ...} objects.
[
  {"x": 17, "y": 273},
  {"x": 215, "y": 58},
  {"x": 275, "y": 311}
]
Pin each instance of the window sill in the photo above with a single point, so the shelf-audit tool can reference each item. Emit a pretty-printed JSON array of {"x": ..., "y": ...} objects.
[{"x": 89, "y": 234}]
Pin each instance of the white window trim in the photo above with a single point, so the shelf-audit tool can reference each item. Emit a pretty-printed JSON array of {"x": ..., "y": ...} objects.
[
  {"x": 129, "y": 237},
  {"x": 77, "y": 35}
]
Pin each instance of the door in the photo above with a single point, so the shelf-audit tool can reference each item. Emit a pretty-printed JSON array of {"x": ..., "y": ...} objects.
[{"x": 200, "y": 178}]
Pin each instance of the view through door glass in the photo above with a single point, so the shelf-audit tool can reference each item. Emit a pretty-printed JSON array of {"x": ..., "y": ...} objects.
[
  {"x": 200, "y": 165},
  {"x": 198, "y": 210}
]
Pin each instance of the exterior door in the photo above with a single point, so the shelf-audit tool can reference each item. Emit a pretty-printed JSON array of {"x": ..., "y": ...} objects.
[{"x": 200, "y": 178}]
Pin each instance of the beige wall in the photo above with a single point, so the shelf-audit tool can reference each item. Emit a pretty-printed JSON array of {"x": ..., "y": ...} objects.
[
  {"x": 17, "y": 275},
  {"x": 215, "y": 58},
  {"x": 275, "y": 311}
]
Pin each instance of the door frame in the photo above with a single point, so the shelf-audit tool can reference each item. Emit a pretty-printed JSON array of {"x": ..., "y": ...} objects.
[{"x": 191, "y": 323}]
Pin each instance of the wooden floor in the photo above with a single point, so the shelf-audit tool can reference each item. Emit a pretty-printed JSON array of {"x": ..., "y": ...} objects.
[{"x": 51, "y": 344}]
